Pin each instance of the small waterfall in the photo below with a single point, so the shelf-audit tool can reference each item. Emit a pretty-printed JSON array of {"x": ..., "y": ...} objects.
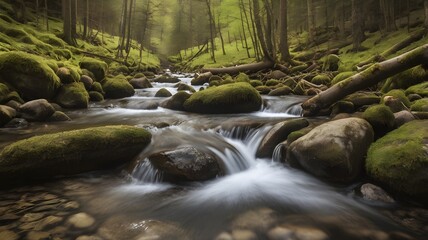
[
  {"x": 145, "y": 172},
  {"x": 290, "y": 105},
  {"x": 278, "y": 153}
]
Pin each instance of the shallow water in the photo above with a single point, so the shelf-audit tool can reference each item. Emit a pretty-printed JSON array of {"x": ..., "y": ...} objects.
[{"x": 255, "y": 199}]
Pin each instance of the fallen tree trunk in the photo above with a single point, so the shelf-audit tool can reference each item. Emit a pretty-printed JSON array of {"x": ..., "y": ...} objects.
[
  {"x": 397, "y": 47},
  {"x": 248, "y": 68},
  {"x": 369, "y": 77}
]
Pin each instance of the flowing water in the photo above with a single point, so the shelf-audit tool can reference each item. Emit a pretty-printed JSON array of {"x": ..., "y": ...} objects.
[{"x": 255, "y": 199}]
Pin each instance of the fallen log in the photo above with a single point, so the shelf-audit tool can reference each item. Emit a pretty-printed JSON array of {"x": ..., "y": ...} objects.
[
  {"x": 369, "y": 77},
  {"x": 247, "y": 68}
]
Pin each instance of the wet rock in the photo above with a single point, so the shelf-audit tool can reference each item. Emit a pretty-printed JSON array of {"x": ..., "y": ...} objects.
[
  {"x": 185, "y": 87},
  {"x": 70, "y": 205},
  {"x": 163, "y": 93},
  {"x": 277, "y": 134},
  {"x": 6, "y": 114},
  {"x": 395, "y": 104},
  {"x": 375, "y": 193},
  {"x": 399, "y": 160},
  {"x": 280, "y": 233},
  {"x": 333, "y": 151},
  {"x": 140, "y": 83},
  {"x": 36, "y": 110},
  {"x": 176, "y": 102},
  {"x": 201, "y": 79},
  {"x": 277, "y": 74},
  {"x": 8, "y": 218},
  {"x": 281, "y": 91},
  {"x": 166, "y": 79},
  {"x": 16, "y": 123},
  {"x": 65, "y": 75},
  {"x": 81, "y": 220},
  {"x": 230, "y": 98},
  {"x": 31, "y": 217},
  {"x": 41, "y": 224},
  {"x": 360, "y": 233},
  {"x": 72, "y": 95},
  {"x": 71, "y": 152},
  {"x": 413, "y": 97},
  {"x": 240, "y": 234},
  {"x": 259, "y": 220},
  {"x": 13, "y": 104},
  {"x": 87, "y": 81},
  {"x": 59, "y": 116},
  {"x": 187, "y": 163},
  {"x": 403, "y": 117},
  {"x": 293, "y": 232},
  {"x": 8, "y": 235}
]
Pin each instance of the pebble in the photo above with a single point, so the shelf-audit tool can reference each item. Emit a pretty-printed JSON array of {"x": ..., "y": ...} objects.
[
  {"x": 9, "y": 235},
  {"x": 224, "y": 236},
  {"x": 33, "y": 235},
  {"x": 279, "y": 233},
  {"x": 70, "y": 205},
  {"x": 31, "y": 217},
  {"x": 258, "y": 220},
  {"x": 374, "y": 193},
  {"x": 240, "y": 234},
  {"x": 81, "y": 220}
]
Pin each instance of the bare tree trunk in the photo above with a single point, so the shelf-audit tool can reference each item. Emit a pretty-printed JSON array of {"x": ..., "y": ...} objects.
[
  {"x": 86, "y": 20},
  {"x": 426, "y": 13},
  {"x": 37, "y": 12},
  {"x": 67, "y": 15},
  {"x": 46, "y": 15},
  {"x": 357, "y": 25},
  {"x": 128, "y": 36},
  {"x": 73, "y": 18},
  {"x": 220, "y": 34},
  {"x": 244, "y": 11},
  {"x": 260, "y": 34},
  {"x": 365, "y": 79},
  {"x": 283, "y": 40},
  {"x": 212, "y": 24},
  {"x": 123, "y": 25},
  {"x": 270, "y": 32},
  {"x": 243, "y": 29},
  {"x": 256, "y": 40},
  {"x": 387, "y": 8},
  {"x": 311, "y": 20},
  {"x": 249, "y": 68}
]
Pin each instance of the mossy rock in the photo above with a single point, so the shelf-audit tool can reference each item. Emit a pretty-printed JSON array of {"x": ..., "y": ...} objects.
[
  {"x": 117, "y": 88},
  {"x": 263, "y": 90},
  {"x": 227, "y": 77},
  {"x": 406, "y": 79},
  {"x": 242, "y": 77},
  {"x": 399, "y": 160},
  {"x": 399, "y": 94},
  {"x": 4, "y": 91},
  {"x": 29, "y": 75},
  {"x": 163, "y": 92},
  {"x": 66, "y": 76},
  {"x": 342, "y": 107},
  {"x": 256, "y": 83},
  {"x": 6, "y": 114},
  {"x": 276, "y": 74},
  {"x": 420, "y": 89},
  {"x": 215, "y": 78},
  {"x": 229, "y": 98},
  {"x": 72, "y": 95},
  {"x": 166, "y": 79},
  {"x": 289, "y": 82},
  {"x": 321, "y": 79},
  {"x": 139, "y": 75},
  {"x": 299, "y": 68},
  {"x": 117, "y": 68},
  {"x": 331, "y": 63},
  {"x": 140, "y": 83},
  {"x": 342, "y": 76},
  {"x": 226, "y": 81},
  {"x": 360, "y": 99},
  {"x": 185, "y": 87},
  {"x": 214, "y": 83},
  {"x": 96, "y": 67},
  {"x": 176, "y": 102},
  {"x": 380, "y": 117},
  {"x": 281, "y": 91},
  {"x": 272, "y": 82},
  {"x": 59, "y": 116},
  {"x": 95, "y": 96},
  {"x": 71, "y": 152},
  {"x": 293, "y": 136},
  {"x": 87, "y": 82},
  {"x": 420, "y": 105},
  {"x": 88, "y": 73},
  {"x": 36, "y": 110},
  {"x": 97, "y": 87}
]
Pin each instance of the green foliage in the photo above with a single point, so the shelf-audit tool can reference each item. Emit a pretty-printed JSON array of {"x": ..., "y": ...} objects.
[
  {"x": 229, "y": 98},
  {"x": 421, "y": 89}
]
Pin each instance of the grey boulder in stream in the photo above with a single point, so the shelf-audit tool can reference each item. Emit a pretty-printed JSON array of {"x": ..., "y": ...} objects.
[
  {"x": 71, "y": 152},
  {"x": 334, "y": 151}
]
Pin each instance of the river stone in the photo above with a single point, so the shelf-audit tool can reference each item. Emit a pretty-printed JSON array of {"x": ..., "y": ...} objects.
[
  {"x": 374, "y": 193},
  {"x": 31, "y": 217},
  {"x": 71, "y": 152},
  {"x": 399, "y": 161},
  {"x": 187, "y": 163},
  {"x": 36, "y": 110},
  {"x": 140, "y": 83},
  {"x": 296, "y": 232},
  {"x": 403, "y": 117},
  {"x": 333, "y": 151},
  {"x": 87, "y": 82},
  {"x": 6, "y": 114},
  {"x": 72, "y": 95},
  {"x": 176, "y": 102},
  {"x": 59, "y": 116},
  {"x": 276, "y": 74},
  {"x": 202, "y": 79},
  {"x": 81, "y": 220},
  {"x": 277, "y": 134},
  {"x": 85, "y": 237},
  {"x": 230, "y": 98}
]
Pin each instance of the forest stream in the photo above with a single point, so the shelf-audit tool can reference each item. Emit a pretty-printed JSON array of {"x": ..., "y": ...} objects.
[{"x": 255, "y": 199}]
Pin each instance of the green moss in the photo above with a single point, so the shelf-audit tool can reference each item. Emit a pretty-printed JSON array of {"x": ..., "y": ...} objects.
[
  {"x": 406, "y": 79},
  {"x": 298, "y": 134},
  {"x": 117, "y": 68},
  {"x": 29, "y": 75},
  {"x": 321, "y": 79},
  {"x": 226, "y": 81},
  {"x": 185, "y": 87},
  {"x": 4, "y": 91},
  {"x": 420, "y": 89},
  {"x": 214, "y": 83},
  {"x": 95, "y": 96},
  {"x": 139, "y": 75},
  {"x": 342, "y": 107},
  {"x": 163, "y": 92},
  {"x": 263, "y": 89},
  {"x": 64, "y": 53},
  {"x": 72, "y": 151},
  {"x": 380, "y": 117},
  {"x": 72, "y": 95},
  {"x": 96, "y": 86},
  {"x": 272, "y": 82},
  {"x": 420, "y": 105},
  {"x": 97, "y": 67},
  {"x": 281, "y": 91},
  {"x": 360, "y": 99},
  {"x": 399, "y": 160},
  {"x": 229, "y": 98},
  {"x": 331, "y": 63},
  {"x": 117, "y": 87},
  {"x": 399, "y": 94},
  {"x": 256, "y": 83},
  {"x": 242, "y": 77},
  {"x": 54, "y": 41},
  {"x": 298, "y": 68},
  {"x": 342, "y": 76}
]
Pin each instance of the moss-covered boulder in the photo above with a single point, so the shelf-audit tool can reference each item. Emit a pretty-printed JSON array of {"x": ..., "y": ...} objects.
[
  {"x": 406, "y": 79},
  {"x": 398, "y": 94},
  {"x": 334, "y": 151},
  {"x": 380, "y": 117},
  {"x": 185, "y": 87},
  {"x": 360, "y": 99},
  {"x": 321, "y": 79},
  {"x": 256, "y": 83},
  {"x": 331, "y": 63},
  {"x": 166, "y": 79},
  {"x": 399, "y": 160},
  {"x": 281, "y": 91},
  {"x": 420, "y": 89},
  {"x": 342, "y": 76},
  {"x": 140, "y": 83},
  {"x": 97, "y": 87},
  {"x": 201, "y": 79},
  {"x": 263, "y": 89},
  {"x": 71, "y": 152},
  {"x": 36, "y": 110},
  {"x": 163, "y": 92},
  {"x": 72, "y": 95},
  {"x": 29, "y": 75},
  {"x": 242, "y": 77},
  {"x": 59, "y": 116},
  {"x": 117, "y": 87},
  {"x": 87, "y": 81},
  {"x": 186, "y": 163},
  {"x": 96, "y": 67},
  {"x": 65, "y": 75},
  {"x": 176, "y": 102},
  {"x": 229, "y": 98},
  {"x": 6, "y": 114},
  {"x": 342, "y": 107},
  {"x": 95, "y": 96},
  {"x": 272, "y": 82},
  {"x": 278, "y": 133},
  {"x": 420, "y": 105}
]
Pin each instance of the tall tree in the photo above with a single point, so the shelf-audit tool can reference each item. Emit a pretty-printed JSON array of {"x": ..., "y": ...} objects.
[
  {"x": 426, "y": 13},
  {"x": 283, "y": 35},
  {"x": 212, "y": 29},
  {"x": 86, "y": 20},
  {"x": 311, "y": 19},
  {"x": 67, "y": 17},
  {"x": 388, "y": 10},
  {"x": 357, "y": 25},
  {"x": 46, "y": 15}
]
